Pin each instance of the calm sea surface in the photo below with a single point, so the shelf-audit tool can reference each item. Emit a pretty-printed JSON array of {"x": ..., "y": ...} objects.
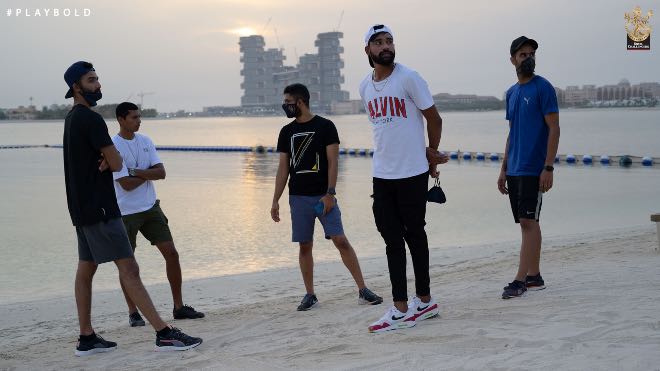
[{"x": 218, "y": 203}]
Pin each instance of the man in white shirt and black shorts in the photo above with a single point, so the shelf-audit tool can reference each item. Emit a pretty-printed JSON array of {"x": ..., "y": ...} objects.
[
  {"x": 139, "y": 207},
  {"x": 397, "y": 100}
]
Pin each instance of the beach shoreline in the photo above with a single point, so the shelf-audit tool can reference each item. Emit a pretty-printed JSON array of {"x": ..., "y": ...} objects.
[{"x": 251, "y": 322}]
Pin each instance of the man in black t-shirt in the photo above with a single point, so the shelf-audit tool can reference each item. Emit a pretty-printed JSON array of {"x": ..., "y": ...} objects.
[
  {"x": 309, "y": 154},
  {"x": 90, "y": 157}
]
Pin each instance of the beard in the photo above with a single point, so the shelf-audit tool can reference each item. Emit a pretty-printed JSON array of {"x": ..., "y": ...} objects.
[{"x": 384, "y": 58}]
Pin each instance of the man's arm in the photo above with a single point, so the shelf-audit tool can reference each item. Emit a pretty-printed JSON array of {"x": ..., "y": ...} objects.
[
  {"x": 129, "y": 183},
  {"x": 501, "y": 180},
  {"x": 546, "y": 179},
  {"x": 155, "y": 172},
  {"x": 332, "y": 151},
  {"x": 111, "y": 159},
  {"x": 433, "y": 126},
  {"x": 434, "y": 131},
  {"x": 280, "y": 184}
]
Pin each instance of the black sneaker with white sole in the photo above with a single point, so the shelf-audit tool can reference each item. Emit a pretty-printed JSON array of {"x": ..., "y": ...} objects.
[
  {"x": 308, "y": 301},
  {"x": 175, "y": 340},
  {"x": 92, "y": 344},
  {"x": 534, "y": 283},
  {"x": 514, "y": 290},
  {"x": 187, "y": 312},
  {"x": 368, "y": 297},
  {"x": 135, "y": 319}
]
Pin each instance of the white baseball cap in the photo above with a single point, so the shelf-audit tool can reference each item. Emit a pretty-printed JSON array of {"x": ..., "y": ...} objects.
[{"x": 377, "y": 28}]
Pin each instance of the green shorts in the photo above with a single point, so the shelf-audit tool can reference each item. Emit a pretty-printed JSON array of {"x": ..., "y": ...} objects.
[{"x": 151, "y": 223}]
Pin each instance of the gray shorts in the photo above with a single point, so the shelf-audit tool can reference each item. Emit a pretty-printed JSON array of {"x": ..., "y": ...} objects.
[
  {"x": 103, "y": 242},
  {"x": 303, "y": 218}
]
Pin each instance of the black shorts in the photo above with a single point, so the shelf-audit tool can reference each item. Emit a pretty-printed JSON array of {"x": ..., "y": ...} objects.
[
  {"x": 525, "y": 197},
  {"x": 103, "y": 242}
]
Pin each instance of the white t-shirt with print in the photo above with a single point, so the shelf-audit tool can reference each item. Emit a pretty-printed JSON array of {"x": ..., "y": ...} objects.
[
  {"x": 394, "y": 107},
  {"x": 138, "y": 153}
]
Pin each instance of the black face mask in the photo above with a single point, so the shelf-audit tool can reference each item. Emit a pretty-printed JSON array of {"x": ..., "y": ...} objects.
[
  {"x": 91, "y": 96},
  {"x": 291, "y": 110},
  {"x": 527, "y": 67}
]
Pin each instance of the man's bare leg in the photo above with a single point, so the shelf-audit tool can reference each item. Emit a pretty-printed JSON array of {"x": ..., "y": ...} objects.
[
  {"x": 129, "y": 275},
  {"x": 306, "y": 261},
  {"x": 530, "y": 249},
  {"x": 349, "y": 258},
  {"x": 173, "y": 268},
  {"x": 83, "y": 292}
]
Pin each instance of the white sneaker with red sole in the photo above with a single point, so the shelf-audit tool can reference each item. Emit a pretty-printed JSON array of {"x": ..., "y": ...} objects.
[
  {"x": 421, "y": 310},
  {"x": 393, "y": 320}
]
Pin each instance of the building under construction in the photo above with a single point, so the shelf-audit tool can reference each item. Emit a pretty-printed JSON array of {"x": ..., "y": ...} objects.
[{"x": 265, "y": 75}]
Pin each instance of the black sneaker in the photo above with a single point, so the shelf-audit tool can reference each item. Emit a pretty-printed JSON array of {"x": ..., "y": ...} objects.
[
  {"x": 96, "y": 345},
  {"x": 187, "y": 312},
  {"x": 368, "y": 297},
  {"x": 534, "y": 283},
  {"x": 175, "y": 340},
  {"x": 308, "y": 302},
  {"x": 135, "y": 319},
  {"x": 514, "y": 289}
]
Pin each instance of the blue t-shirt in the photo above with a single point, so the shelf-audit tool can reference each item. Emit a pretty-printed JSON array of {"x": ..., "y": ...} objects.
[{"x": 526, "y": 106}]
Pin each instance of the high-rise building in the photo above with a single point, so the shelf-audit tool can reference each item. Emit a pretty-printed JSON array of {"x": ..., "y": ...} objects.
[
  {"x": 265, "y": 76},
  {"x": 259, "y": 67},
  {"x": 330, "y": 65}
]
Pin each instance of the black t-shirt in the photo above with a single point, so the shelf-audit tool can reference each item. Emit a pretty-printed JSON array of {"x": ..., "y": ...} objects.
[
  {"x": 90, "y": 193},
  {"x": 308, "y": 160}
]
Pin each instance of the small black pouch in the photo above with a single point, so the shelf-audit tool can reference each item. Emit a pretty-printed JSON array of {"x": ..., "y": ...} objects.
[{"x": 435, "y": 194}]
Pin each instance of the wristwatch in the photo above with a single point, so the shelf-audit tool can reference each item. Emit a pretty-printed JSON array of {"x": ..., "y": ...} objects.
[
  {"x": 549, "y": 168},
  {"x": 331, "y": 191},
  {"x": 131, "y": 172}
]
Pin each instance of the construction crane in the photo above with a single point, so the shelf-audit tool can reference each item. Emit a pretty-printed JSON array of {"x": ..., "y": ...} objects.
[
  {"x": 267, "y": 23},
  {"x": 277, "y": 37},
  {"x": 341, "y": 18},
  {"x": 142, "y": 94}
]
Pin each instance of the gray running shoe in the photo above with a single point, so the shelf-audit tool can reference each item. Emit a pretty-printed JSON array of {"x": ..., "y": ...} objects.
[
  {"x": 515, "y": 289},
  {"x": 368, "y": 297},
  {"x": 308, "y": 302},
  {"x": 135, "y": 319}
]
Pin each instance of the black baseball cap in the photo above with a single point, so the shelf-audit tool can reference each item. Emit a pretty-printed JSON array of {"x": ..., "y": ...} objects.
[
  {"x": 74, "y": 73},
  {"x": 522, "y": 40}
]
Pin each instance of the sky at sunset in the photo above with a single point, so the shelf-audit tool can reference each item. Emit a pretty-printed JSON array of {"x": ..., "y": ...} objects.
[{"x": 187, "y": 54}]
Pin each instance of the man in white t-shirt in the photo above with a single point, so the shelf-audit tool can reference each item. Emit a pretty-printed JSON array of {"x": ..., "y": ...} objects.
[
  {"x": 139, "y": 207},
  {"x": 397, "y": 100}
]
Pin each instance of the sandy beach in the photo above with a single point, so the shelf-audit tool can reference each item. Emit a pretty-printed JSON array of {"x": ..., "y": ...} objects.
[{"x": 601, "y": 311}]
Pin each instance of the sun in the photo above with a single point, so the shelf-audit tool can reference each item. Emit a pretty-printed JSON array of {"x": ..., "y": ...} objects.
[{"x": 243, "y": 31}]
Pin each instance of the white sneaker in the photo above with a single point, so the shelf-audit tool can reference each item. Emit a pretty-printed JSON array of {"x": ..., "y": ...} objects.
[
  {"x": 421, "y": 310},
  {"x": 393, "y": 320}
]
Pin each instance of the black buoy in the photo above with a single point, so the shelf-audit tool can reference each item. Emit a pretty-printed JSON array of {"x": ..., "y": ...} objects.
[{"x": 625, "y": 161}]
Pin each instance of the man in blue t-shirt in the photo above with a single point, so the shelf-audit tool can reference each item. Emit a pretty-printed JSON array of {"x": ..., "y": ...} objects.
[{"x": 527, "y": 171}]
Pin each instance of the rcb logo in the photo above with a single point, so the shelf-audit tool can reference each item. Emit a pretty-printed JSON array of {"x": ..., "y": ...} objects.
[{"x": 639, "y": 29}]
